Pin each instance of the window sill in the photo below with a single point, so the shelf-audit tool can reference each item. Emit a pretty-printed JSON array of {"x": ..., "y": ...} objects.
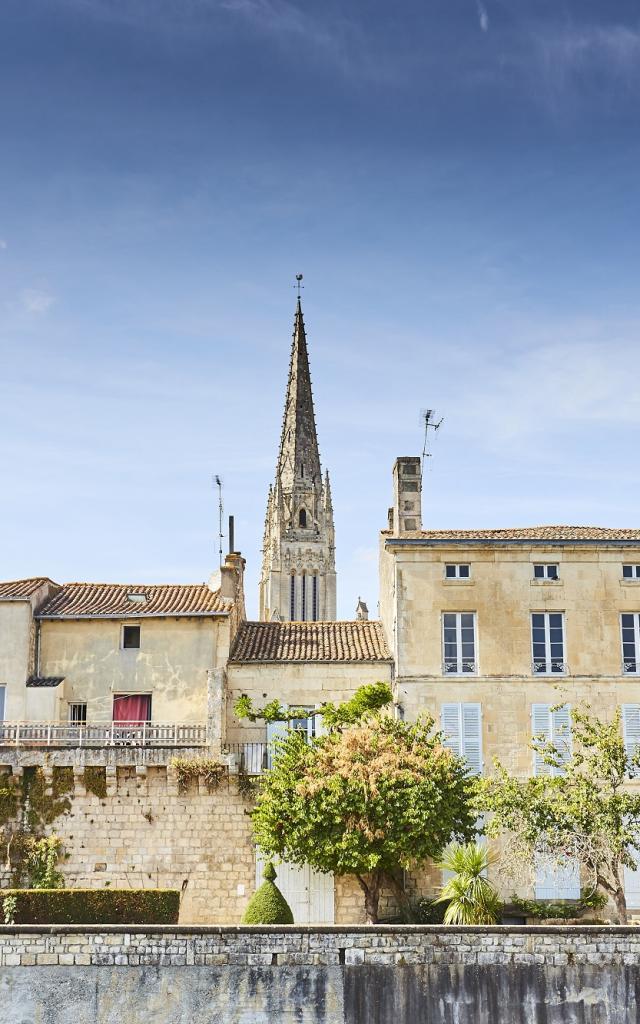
[
  {"x": 459, "y": 583},
  {"x": 546, "y": 583},
  {"x": 629, "y": 583}
]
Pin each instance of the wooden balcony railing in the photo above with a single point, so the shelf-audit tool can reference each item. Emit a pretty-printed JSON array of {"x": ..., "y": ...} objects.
[{"x": 102, "y": 734}]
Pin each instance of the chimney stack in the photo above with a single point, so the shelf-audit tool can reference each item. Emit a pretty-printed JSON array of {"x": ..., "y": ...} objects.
[{"x": 407, "y": 494}]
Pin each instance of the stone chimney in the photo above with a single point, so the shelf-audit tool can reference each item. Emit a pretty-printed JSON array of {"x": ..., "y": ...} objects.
[
  {"x": 231, "y": 576},
  {"x": 407, "y": 494}
]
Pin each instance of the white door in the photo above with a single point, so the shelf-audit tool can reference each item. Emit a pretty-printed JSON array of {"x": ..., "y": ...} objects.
[{"x": 309, "y": 893}]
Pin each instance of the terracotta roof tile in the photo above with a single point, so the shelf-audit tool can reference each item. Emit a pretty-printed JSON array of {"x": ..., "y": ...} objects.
[
  {"x": 16, "y": 589},
  {"x": 309, "y": 641},
  {"x": 566, "y": 533},
  {"x": 132, "y": 601}
]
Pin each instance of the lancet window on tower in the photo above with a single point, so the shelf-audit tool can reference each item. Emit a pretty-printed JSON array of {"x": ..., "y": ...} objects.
[{"x": 302, "y": 518}]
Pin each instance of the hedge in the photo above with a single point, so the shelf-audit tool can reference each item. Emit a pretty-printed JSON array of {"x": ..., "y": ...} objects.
[{"x": 93, "y": 906}]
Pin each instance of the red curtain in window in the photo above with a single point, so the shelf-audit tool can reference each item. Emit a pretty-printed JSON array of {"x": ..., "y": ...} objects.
[{"x": 135, "y": 708}]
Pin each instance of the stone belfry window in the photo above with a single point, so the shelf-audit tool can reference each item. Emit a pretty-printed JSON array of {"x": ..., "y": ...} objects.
[
  {"x": 292, "y": 597},
  {"x": 302, "y": 518},
  {"x": 315, "y": 599},
  {"x": 303, "y": 609}
]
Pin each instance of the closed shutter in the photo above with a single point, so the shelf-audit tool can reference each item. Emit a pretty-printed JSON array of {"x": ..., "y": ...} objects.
[
  {"x": 540, "y": 729},
  {"x": 450, "y": 717},
  {"x": 2, "y": 694},
  {"x": 632, "y": 881},
  {"x": 472, "y": 736},
  {"x": 561, "y": 733},
  {"x": 631, "y": 728},
  {"x": 275, "y": 731},
  {"x": 319, "y": 728},
  {"x": 558, "y": 881}
]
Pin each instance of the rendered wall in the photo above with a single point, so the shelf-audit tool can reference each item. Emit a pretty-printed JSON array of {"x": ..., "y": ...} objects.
[{"x": 320, "y": 976}]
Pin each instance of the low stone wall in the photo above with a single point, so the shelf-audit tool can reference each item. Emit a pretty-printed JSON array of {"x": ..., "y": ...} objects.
[{"x": 366, "y": 975}]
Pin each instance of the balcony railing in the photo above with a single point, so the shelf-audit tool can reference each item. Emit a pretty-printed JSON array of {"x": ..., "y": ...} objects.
[
  {"x": 251, "y": 758},
  {"x": 102, "y": 734}
]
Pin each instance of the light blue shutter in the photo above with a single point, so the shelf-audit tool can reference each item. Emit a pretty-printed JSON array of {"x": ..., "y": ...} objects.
[
  {"x": 275, "y": 731},
  {"x": 472, "y": 736},
  {"x": 561, "y": 734},
  {"x": 631, "y": 728},
  {"x": 541, "y": 729},
  {"x": 2, "y": 693},
  {"x": 450, "y": 718},
  {"x": 319, "y": 726},
  {"x": 632, "y": 881}
]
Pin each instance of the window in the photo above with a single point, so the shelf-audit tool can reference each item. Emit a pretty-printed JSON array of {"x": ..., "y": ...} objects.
[
  {"x": 630, "y": 628},
  {"x": 558, "y": 881},
  {"x": 545, "y": 572},
  {"x": 130, "y": 637},
  {"x": 552, "y": 726},
  {"x": 457, "y": 572},
  {"x": 462, "y": 726},
  {"x": 631, "y": 572},
  {"x": 132, "y": 707},
  {"x": 459, "y": 642},
  {"x": 547, "y": 640},
  {"x": 302, "y": 518},
  {"x": 303, "y": 600},
  {"x": 314, "y": 598},
  {"x": 77, "y": 714},
  {"x": 631, "y": 729},
  {"x": 292, "y": 598},
  {"x": 3, "y": 691}
]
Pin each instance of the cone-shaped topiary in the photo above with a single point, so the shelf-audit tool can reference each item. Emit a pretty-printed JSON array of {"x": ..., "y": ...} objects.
[{"x": 268, "y": 905}]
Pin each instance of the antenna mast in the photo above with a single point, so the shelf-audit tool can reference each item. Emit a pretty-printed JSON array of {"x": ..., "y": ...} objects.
[
  {"x": 428, "y": 418},
  {"x": 218, "y": 483}
]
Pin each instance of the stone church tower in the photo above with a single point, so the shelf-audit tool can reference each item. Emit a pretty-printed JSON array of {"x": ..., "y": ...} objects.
[{"x": 298, "y": 580}]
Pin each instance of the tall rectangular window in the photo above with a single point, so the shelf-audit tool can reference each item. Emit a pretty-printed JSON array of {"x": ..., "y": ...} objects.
[
  {"x": 315, "y": 598},
  {"x": 458, "y": 643},
  {"x": 130, "y": 637},
  {"x": 630, "y": 626},
  {"x": 77, "y": 714},
  {"x": 551, "y": 725},
  {"x": 547, "y": 642},
  {"x": 462, "y": 726},
  {"x": 303, "y": 599},
  {"x": 292, "y": 598},
  {"x": 3, "y": 691}
]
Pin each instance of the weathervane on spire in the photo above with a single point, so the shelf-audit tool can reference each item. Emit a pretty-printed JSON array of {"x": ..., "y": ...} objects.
[{"x": 298, "y": 283}]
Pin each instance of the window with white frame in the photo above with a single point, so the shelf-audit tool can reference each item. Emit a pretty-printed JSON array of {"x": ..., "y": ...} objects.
[
  {"x": 551, "y": 724},
  {"x": 458, "y": 643},
  {"x": 462, "y": 727},
  {"x": 457, "y": 571},
  {"x": 630, "y": 630},
  {"x": 545, "y": 572},
  {"x": 631, "y": 729},
  {"x": 77, "y": 713},
  {"x": 3, "y": 691},
  {"x": 547, "y": 643},
  {"x": 631, "y": 572},
  {"x": 557, "y": 881}
]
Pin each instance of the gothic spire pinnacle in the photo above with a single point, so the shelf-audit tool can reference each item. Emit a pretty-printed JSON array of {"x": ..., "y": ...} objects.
[{"x": 299, "y": 458}]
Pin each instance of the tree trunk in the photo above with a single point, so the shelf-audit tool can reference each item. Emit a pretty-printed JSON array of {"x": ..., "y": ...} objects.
[
  {"x": 620, "y": 901},
  {"x": 401, "y": 895},
  {"x": 371, "y": 889}
]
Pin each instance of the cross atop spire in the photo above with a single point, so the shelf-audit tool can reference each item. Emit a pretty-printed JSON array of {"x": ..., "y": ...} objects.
[{"x": 299, "y": 458}]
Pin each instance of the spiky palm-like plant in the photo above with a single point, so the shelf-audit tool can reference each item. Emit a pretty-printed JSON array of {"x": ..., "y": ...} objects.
[{"x": 471, "y": 897}]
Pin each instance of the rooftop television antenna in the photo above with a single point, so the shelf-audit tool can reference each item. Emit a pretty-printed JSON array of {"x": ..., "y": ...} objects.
[
  {"x": 218, "y": 483},
  {"x": 430, "y": 423}
]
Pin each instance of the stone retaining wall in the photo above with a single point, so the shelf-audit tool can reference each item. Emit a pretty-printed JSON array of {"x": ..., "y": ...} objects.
[{"x": 366, "y": 975}]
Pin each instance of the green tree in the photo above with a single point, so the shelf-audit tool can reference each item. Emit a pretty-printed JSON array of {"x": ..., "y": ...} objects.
[
  {"x": 369, "y": 799},
  {"x": 585, "y": 812},
  {"x": 368, "y": 698},
  {"x": 469, "y": 895}
]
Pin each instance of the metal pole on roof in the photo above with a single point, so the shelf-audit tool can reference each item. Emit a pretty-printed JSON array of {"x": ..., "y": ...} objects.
[{"x": 218, "y": 482}]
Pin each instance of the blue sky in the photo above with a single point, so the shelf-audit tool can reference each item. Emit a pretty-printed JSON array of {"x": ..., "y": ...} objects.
[{"x": 457, "y": 180}]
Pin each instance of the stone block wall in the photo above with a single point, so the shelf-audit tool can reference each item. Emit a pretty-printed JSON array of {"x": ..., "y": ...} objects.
[{"x": 369, "y": 975}]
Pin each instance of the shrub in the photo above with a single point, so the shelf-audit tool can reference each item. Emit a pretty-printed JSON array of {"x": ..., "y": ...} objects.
[
  {"x": 95, "y": 780},
  {"x": 42, "y": 862},
  {"x": 268, "y": 905},
  {"x": 93, "y": 906},
  {"x": 206, "y": 768},
  {"x": 471, "y": 897}
]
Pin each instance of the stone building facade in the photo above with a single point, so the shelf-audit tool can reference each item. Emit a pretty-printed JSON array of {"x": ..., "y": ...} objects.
[{"x": 298, "y": 578}]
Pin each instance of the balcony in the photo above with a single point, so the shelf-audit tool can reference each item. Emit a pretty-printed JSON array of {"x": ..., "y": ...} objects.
[{"x": 102, "y": 734}]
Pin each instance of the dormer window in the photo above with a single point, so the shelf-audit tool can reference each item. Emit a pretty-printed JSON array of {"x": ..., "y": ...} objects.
[{"x": 302, "y": 518}]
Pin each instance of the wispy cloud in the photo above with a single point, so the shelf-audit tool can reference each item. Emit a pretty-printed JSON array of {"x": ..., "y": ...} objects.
[
  {"x": 483, "y": 16},
  {"x": 3, "y": 244},
  {"x": 36, "y": 300}
]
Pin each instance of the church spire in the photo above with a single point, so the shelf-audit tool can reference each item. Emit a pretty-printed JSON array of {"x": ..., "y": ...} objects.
[
  {"x": 299, "y": 458},
  {"x": 298, "y": 578}
]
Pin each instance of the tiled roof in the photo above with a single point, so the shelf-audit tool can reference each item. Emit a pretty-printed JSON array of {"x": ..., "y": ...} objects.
[
  {"x": 45, "y": 680},
  {"x": 132, "y": 601},
  {"x": 309, "y": 641},
  {"x": 17, "y": 589},
  {"x": 566, "y": 533}
]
